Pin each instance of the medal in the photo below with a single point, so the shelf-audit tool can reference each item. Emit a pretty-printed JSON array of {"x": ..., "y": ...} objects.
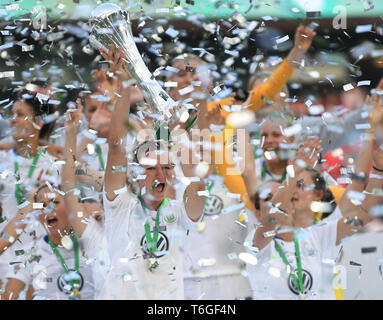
[
  {"x": 67, "y": 242},
  {"x": 201, "y": 226},
  {"x": 71, "y": 281}
]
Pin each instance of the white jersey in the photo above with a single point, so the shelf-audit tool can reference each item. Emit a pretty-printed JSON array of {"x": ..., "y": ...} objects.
[
  {"x": 361, "y": 266},
  {"x": 129, "y": 276},
  {"x": 330, "y": 260},
  {"x": 214, "y": 251},
  {"x": 94, "y": 243},
  {"x": 270, "y": 278},
  {"x": 8, "y": 200},
  {"x": 38, "y": 266}
]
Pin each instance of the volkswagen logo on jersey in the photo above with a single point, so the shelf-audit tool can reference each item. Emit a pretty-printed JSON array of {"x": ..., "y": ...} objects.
[
  {"x": 213, "y": 205},
  {"x": 63, "y": 281},
  {"x": 162, "y": 244},
  {"x": 307, "y": 281}
]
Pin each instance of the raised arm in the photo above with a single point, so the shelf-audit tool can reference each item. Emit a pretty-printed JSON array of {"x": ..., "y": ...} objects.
[
  {"x": 281, "y": 213},
  {"x": 194, "y": 203},
  {"x": 302, "y": 42},
  {"x": 75, "y": 210},
  {"x": 248, "y": 174},
  {"x": 375, "y": 183},
  {"x": 100, "y": 123},
  {"x": 14, "y": 227},
  {"x": 346, "y": 126},
  {"x": 352, "y": 209},
  {"x": 116, "y": 179},
  {"x": 222, "y": 159}
]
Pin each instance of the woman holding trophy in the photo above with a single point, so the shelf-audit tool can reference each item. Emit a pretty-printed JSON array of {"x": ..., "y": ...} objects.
[{"x": 144, "y": 231}]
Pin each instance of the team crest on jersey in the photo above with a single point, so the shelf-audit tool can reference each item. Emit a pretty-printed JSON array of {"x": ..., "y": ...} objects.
[
  {"x": 170, "y": 218},
  {"x": 307, "y": 281},
  {"x": 63, "y": 281},
  {"x": 162, "y": 244},
  {"x": 213, "y": 205}
]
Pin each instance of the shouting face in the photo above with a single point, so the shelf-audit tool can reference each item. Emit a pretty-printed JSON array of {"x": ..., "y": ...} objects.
[
  {"x": 158, "y": 171},
  {"x": 272, "y": 137},
  {"x": 53, "y": 215}
]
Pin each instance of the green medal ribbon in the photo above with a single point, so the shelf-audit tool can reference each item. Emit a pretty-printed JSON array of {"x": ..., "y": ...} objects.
[
  {"x": 152, "y": 242},
  {"x": 298, "y": 281},
  {"x": 62, "y": 261},
  {"x": 100, "y": 158},
  {"x": 20, "y": 195},
  {"x": 163, "y": 132},
  {"x": 256, "y": 147}
]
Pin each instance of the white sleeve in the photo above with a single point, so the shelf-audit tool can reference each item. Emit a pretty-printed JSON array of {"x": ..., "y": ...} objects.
[
  {"x": 115, "y": 211},
  {"x": 117, "y": 214},
  {"x": 21, "y": 269},
  {"x": 324, "y": 235},
  {"x": 185, "y": 222},
  {"x": 20, "y": 272},
  {"x": 92, "y": 238}
]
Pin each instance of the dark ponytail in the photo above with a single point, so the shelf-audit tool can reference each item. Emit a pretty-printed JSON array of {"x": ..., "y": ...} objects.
[
  {"x": 41, "y": 110},
  {"x": 321, "y": 185}
]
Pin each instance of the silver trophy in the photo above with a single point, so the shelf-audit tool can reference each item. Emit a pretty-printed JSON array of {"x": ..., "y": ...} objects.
[{"x": 111, "y": 24}]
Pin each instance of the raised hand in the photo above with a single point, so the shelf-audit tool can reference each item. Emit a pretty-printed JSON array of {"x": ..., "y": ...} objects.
[
  {"x": 105, "y": 83},
  {"x": 73, "y": 114},
  {"x": 308, "y": 153},
  {"x": 303, "y": 38},
  {"x": 116, "y": 59},
  {"x": 375, "y": 117}
]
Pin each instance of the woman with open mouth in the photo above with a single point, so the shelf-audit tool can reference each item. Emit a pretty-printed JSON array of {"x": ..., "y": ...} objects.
[
  {"x": 144, "y": 231},
  {"x": 53, "y": 267},
  {"x": 288, "y": 230},
  {"x": 34, "y": 116}
]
